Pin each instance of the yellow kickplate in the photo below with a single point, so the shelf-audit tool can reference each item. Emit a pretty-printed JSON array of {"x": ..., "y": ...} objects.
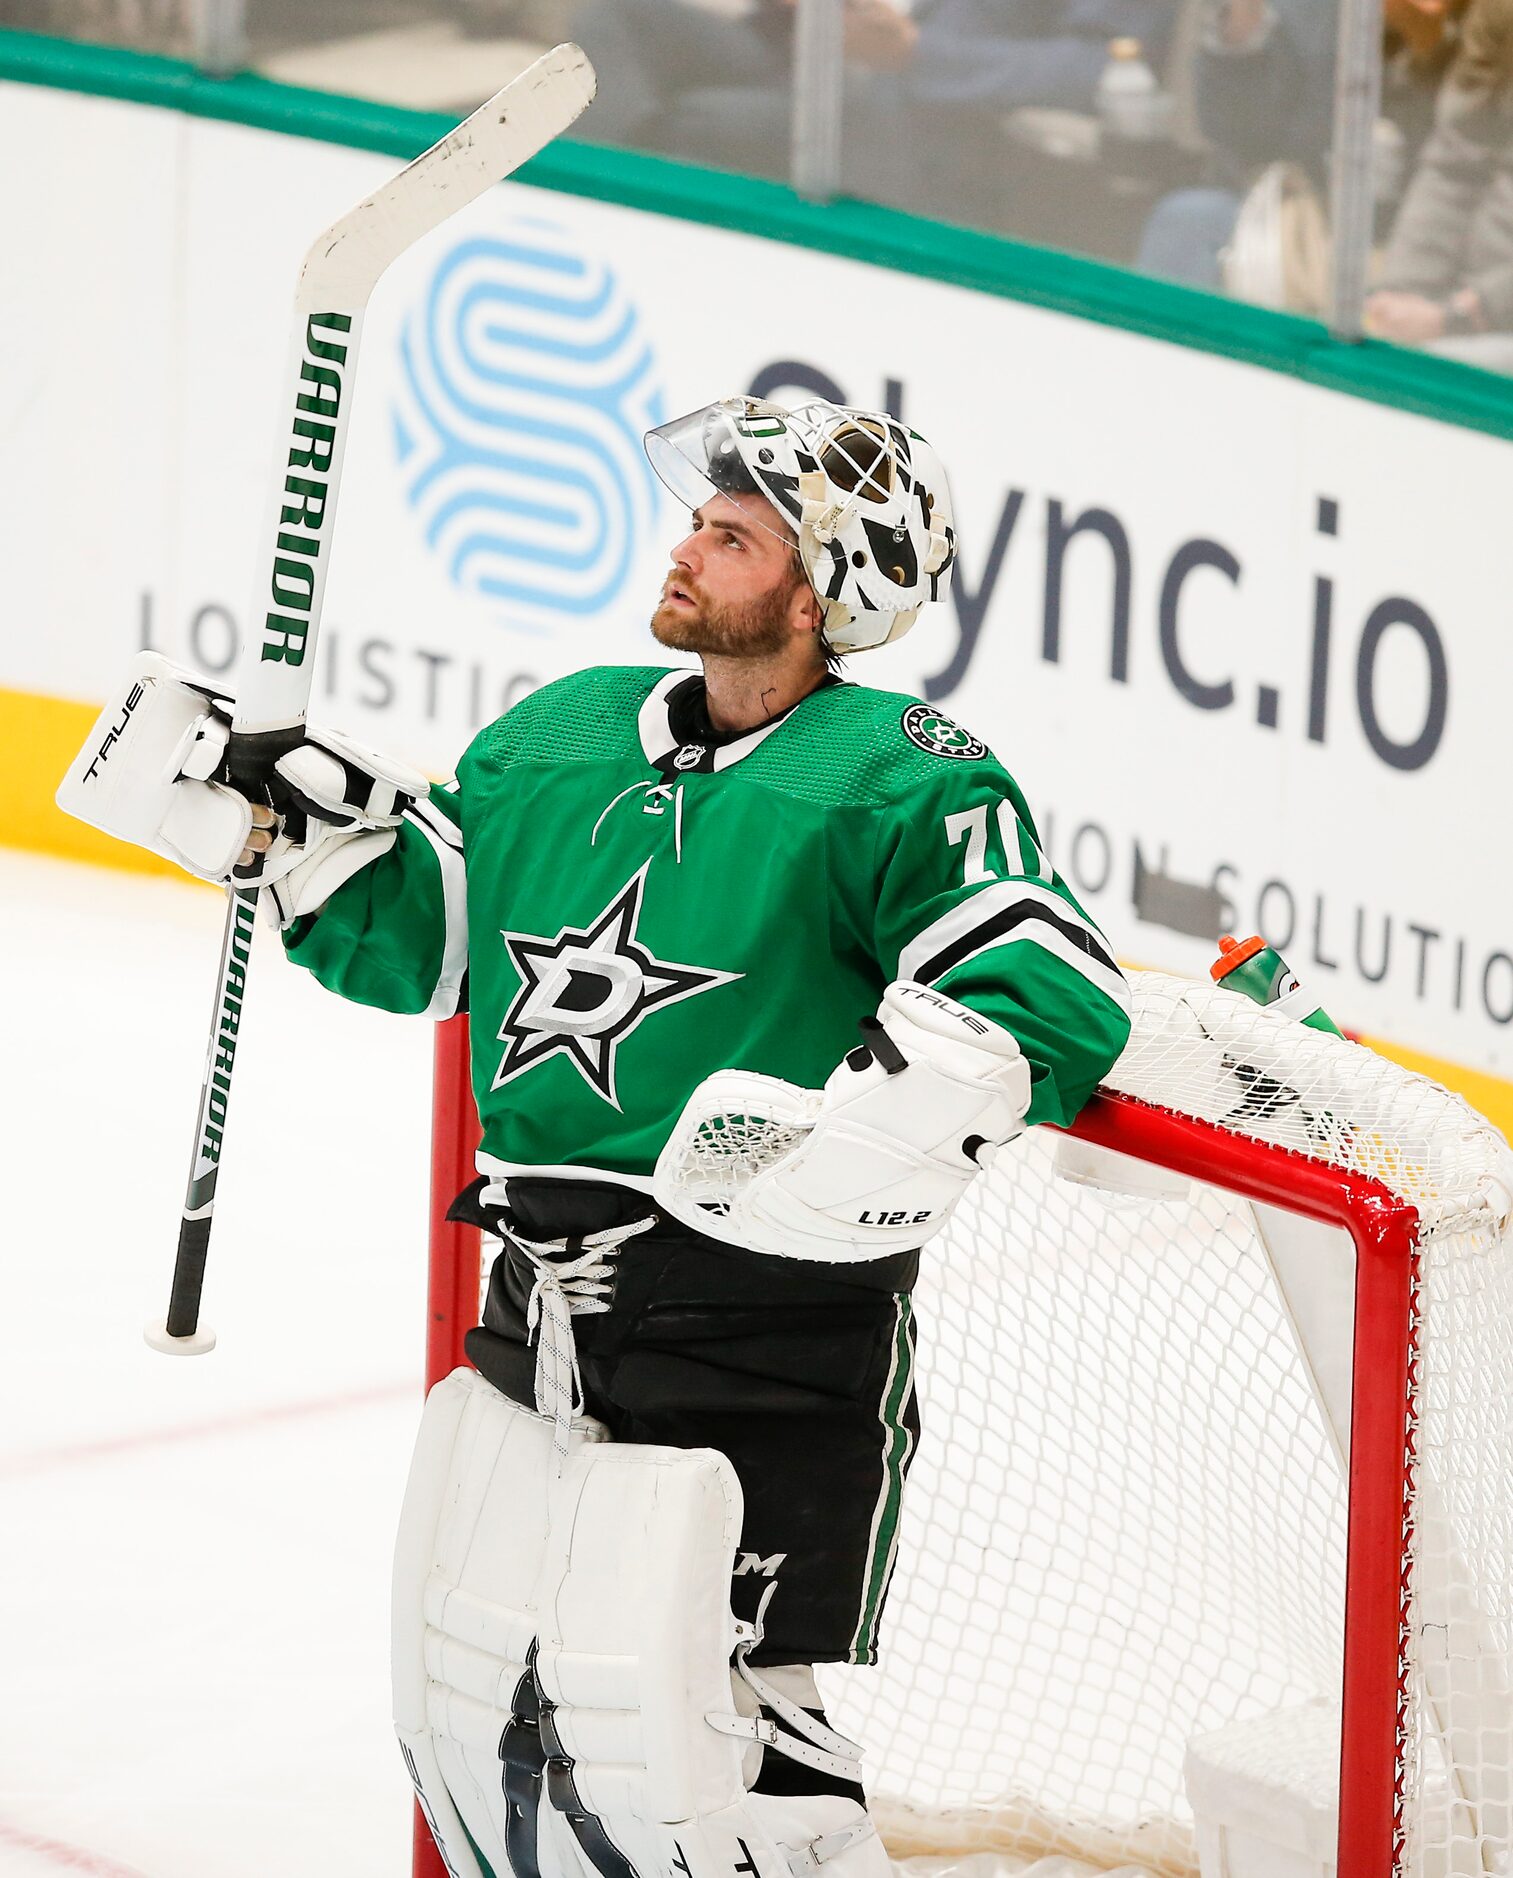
[
  {"x": 39, "y": 738},
  {"x": 1489, "y": 1095}
]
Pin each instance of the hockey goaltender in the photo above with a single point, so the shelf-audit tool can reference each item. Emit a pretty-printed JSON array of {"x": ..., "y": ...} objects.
[{"x": 668, "y": 897}]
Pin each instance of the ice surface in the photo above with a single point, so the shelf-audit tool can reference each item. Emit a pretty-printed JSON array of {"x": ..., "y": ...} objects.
[{"x": 193, "y": 1602}]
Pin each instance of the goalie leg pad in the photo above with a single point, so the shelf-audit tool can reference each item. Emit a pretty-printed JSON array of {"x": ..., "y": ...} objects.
[
  {"x": 650, "y": 1748},
  {"x": 563, "y": 1642},
  {"x": 471, "y": 1543},
  {"x": 636, "y": 1631}
]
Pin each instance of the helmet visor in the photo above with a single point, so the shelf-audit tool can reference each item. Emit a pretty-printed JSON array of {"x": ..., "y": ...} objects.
[{"x": 741, "y": 449}]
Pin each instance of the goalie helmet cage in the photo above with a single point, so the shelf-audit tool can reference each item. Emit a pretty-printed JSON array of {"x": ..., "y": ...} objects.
[{"x": 1216, "y": 1467}]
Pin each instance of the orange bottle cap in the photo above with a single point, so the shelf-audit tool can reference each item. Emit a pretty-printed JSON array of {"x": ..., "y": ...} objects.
[{"x": 1233, "y": 953}]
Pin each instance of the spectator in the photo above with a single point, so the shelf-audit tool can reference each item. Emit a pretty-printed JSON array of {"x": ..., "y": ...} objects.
[
  {"x": 925, "y": 84},
  {"x": 996, "y": 55},
  {"x": 978, "y": 60},
  {"x": 690, "y": 81},
  {"x": 1447, "y": 281},
  {"x": 1263, "y": 90}
]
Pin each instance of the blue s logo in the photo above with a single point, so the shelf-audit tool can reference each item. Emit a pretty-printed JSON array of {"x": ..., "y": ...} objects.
[{"x": 526, "y": 385}]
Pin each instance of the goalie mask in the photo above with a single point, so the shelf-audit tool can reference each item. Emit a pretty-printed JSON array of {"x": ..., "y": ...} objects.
[{"x": 866, "y": 498}]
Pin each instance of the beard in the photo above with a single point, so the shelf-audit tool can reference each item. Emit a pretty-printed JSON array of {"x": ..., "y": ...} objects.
[{"x": 752, "y": 629}]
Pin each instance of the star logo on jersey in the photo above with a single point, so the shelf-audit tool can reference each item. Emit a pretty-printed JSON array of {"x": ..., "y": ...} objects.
[{"x": 583, "y": 993}]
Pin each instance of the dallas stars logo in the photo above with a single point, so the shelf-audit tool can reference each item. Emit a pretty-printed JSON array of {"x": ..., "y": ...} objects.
[
  {"x": 939, "y": 734},
  {"x": 582, "y": 993}
]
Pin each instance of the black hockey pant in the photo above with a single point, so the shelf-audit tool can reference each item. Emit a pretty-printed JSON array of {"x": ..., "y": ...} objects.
[{"x": 803, "y": 1379}]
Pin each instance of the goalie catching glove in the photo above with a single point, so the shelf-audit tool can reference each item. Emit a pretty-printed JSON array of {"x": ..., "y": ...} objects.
[
  {"x": 153, "y": 771},
  {"x": 874, "y": 1163}
]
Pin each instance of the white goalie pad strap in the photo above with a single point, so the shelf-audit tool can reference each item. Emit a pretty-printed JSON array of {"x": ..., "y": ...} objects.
[
  {"x": 872, "y": 1165},
  {"x": 471, "y": 1543},
  {"x": 803, "y": 1738}
]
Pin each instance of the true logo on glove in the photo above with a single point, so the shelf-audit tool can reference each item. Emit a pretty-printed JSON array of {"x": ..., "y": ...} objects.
[{"x": 113, "y": 735}]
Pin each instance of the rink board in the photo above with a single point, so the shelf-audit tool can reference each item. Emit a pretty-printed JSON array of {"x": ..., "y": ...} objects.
[
  {"x": 1272, "y": 657},
  {"x": 194, "y": 1618}
]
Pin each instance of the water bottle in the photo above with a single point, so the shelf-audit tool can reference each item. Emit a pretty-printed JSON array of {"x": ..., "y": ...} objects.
[
  {"x": 1131, "y": 104},
  {"x": 1259, "y": 972}
]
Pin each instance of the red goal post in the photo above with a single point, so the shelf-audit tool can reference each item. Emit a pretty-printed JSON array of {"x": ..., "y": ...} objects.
[
  {"x": 454, "y": 1283},
  {"x": 1134, "y": 1186}
]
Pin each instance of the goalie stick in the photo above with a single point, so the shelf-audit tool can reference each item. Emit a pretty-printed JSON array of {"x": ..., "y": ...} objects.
[{"x": 338, "y": 276}]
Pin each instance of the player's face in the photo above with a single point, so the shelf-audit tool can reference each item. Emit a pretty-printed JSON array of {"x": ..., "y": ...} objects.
[{"x": 734, "y": 588}]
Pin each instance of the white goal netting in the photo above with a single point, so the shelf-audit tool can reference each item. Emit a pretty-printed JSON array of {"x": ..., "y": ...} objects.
[{"x": 1126, "y": 1526}]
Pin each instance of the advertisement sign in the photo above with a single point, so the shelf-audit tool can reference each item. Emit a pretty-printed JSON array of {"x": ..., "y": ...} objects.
[{"x": 1244, "y": 642}]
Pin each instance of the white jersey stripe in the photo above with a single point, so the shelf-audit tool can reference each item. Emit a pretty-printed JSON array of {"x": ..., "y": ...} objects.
[
  {"x": 994, "y": 906},
  {"x": 1036, "y": 932},
  {"x": 496, "y": 1168},
  {"x": 446, "y": 843}
]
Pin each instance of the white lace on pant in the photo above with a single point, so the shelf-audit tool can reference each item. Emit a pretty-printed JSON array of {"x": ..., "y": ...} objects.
[{"x": 574, "y": 1277}]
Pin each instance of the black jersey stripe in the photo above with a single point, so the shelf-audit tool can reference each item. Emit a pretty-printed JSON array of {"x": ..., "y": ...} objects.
[{"x": 1004, "y": 924}]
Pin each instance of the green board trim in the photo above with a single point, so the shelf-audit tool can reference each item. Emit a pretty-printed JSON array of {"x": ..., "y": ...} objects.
[{"x": 1062, "y": 283}]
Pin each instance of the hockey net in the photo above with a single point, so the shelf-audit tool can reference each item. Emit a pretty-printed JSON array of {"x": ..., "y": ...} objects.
[{"x": 1216, "y": 1467}]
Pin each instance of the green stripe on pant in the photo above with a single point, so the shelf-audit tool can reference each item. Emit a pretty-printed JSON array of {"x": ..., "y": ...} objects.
[{"x": 897, "y": 1446}]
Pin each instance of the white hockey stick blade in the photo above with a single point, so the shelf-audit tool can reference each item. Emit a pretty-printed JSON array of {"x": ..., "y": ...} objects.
[
  {"x": 335, "y": 283},
  {"x": 346, "y": 261}
]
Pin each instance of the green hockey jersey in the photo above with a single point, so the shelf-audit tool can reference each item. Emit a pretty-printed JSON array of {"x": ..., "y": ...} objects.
[{"x": 626, "y": 905}]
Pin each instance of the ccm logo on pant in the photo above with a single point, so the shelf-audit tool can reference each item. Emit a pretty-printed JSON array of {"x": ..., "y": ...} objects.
[{"x": 756, "y": 1565}]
